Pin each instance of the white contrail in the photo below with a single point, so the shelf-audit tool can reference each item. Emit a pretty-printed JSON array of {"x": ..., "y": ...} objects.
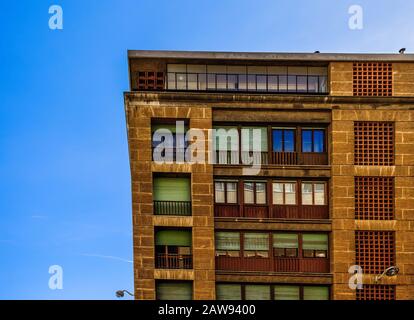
[{"x": 106, "y": 257}]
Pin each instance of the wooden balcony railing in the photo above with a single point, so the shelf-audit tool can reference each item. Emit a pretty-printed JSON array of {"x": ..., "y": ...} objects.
[
  {"x": 273, "y": 212},
  {"x": 173, "y": 261},
  {"x": 174, "y": 208},
  {"x": 300, "y": 212},
  {"x": 277, "y": 158},
  {"x": 276, "y": 264}
]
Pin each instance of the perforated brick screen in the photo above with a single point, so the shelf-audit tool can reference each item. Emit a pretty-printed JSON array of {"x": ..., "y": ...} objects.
[
  {"x": 372, "y": 79},
  {"x": 376, "y": 292},
  {"x": 374, "y": 143},
  {"x": 375, "y": 250},
  {"x": 150, "y": 80},
  {"x": 374, "y": 198}
]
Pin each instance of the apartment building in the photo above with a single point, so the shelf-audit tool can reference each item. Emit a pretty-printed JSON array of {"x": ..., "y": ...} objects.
[{"x": 334, "y": 188}]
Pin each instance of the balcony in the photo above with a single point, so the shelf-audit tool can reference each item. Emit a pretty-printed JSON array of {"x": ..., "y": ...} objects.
[
  {"x": 272, "y": 158},
  {"x": 260, "y": 83},
  {"x": 173, "y": 261},
  {"x": 177, "y": 208},
  {"x": 271, "y": 212},
  {"x": 276, "y": 264}
]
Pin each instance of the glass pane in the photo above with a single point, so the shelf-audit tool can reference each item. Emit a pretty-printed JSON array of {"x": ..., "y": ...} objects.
[
  {"x": 277, "y": 193},
  {"x": 307, "y": 193},
  {"x": 192, "y": 81},
  {"x": 289, "y": 140},
  {"x": 306, "y": 140},
  {"x": 319, "y": 140},
  {"x": 285, "y": 240},
  {"x": 181, "y": 81},
  {"x": 282, "y": 83},
  {"x": 227, "y": 240},
  {"x": 260, "y": 192},
  {"x": 257, "y": 292},
  {"x": 319, "y": 193},
  {"x": 248, "y": 192},
  {"x": 256, "y": 241},
  {"x": 277, "y": 140},
  {"x": 313, "y": 84},
  {"x": 228, "y": 292},
  {"x": 231, "y": 192},
  {"x": 173, "y": 238},
  {"x": 221, "y": 82},
  {"x": 290, "y": 193},
  {"x": 317, "y": 241},
  {"x": 302, "y": 84},
  {"x": 272, "y": 83},
  {"x": 251, "y": 82},
  {"x": 286, "y": 292},
  {"x": 261, "y": 83},
  {"x": 171, "y": 290},
  {"x": 292, "y": 83},
  {"x": 211, "y": 81},
  {"x": 315, "y": 293},
  {"x": 219, "y": 188}
]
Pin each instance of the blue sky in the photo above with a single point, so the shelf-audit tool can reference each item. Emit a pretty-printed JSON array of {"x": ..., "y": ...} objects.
[{"x": 64, "y": 171}]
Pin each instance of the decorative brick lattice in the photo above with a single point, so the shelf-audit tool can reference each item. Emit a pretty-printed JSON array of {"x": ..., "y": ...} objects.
[
  {"x": 150, "y": 80},
  {"x": 376, "y": 292},
  {"x": 374, "y": 143},
  {"x": 375, "y": 250},
  {"x": 372, "y": 79},
  {"x": 374, "y": 198}
]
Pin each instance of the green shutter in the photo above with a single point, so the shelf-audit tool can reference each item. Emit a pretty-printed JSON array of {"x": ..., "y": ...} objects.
[
  {"x": 228, "y": 292},
  {"x": 171, "y": 189},
  {"x": 256, "y": 241},
  {"x": 257, "y": 292},
  {"x": 315, "y": 293},
  {"x": 315, "y": 241},
  {"x": 285, "y": 240},
  {"x": 227, "y": 241},
  {"x": 249, "y": 139},
  {"x": 170, "y": 290},
  {"x": 173, "y": 238},
  {"x": 286, "y": 292}
]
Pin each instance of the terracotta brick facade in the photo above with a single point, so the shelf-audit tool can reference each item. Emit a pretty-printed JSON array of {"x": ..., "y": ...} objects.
[{"x": 336, "y": 111}]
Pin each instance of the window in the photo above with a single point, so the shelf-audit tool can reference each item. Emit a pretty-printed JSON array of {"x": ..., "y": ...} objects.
[
  {"x": 315, "y": 245},
  {"x": 257, "y": 292},
  {"x": 169, "y": 140},
  {"x": 315, "y": 293},
  {"x": 372, "y": 79},
  {"x": 375, "y": 250},
  {"x": 226, "y": 144},
  {"x": 174, "y": 290},
  {"x": 284, "y": 193},
  {"x": 253, "y": 145},
  {"x": 283, "y": 140},
  {"x": 286, "y": 292},
  {"x": 374, "y": 198},
  {"x": 228, "y": 292},
  {"x": 227, "y": 244},
  {"x": 374, "y": 143},
  {"x": 313, "y": 140},
  {"x": 225, "y": 192},
  {"x": 314, "y": 193},
  {"x": 255, "y": 192},
  {"x": 172, "y": 195},
  {"x": 285, "y": 245},
  {"x": 256, "y": 245},
  {"x": 376, "y": 292},
  {"x": 173, "y": 249}
]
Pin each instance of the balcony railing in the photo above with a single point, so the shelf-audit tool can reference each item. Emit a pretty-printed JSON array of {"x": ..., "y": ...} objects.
[
  {"x": 177, "y": 208},
  {"x": 276, "y": 158},
  {"x": 173, "y": 261},
  {"x": 276, "y": 264},
  {"x": 269, "y": 83},
  {"x": 272, "y": 212}
]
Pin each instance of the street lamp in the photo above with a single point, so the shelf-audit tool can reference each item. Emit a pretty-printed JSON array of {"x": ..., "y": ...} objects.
[
  {"x": 389, "y": 272},
  {"x": 121, "y": 293}
]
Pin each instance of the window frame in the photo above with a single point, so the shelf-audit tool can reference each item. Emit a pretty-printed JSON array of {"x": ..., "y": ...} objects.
[
  {"x": 255, "y": 192},
  {"x": 313, "y": 182},
  {"x": 324, "y": 149},
  {"x": 294, "y": 129},
  {"x": 225, "y": 190},
  {"x": 284, "y": 182}
]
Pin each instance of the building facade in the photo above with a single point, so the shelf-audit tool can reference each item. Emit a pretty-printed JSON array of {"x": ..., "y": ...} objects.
[{"x": 334, "y": 188}]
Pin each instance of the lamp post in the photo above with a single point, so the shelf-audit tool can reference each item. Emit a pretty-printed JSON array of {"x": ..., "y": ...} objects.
[
  {"x": 389, "y": 272},
  {"x": 121, "y": 293}
]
